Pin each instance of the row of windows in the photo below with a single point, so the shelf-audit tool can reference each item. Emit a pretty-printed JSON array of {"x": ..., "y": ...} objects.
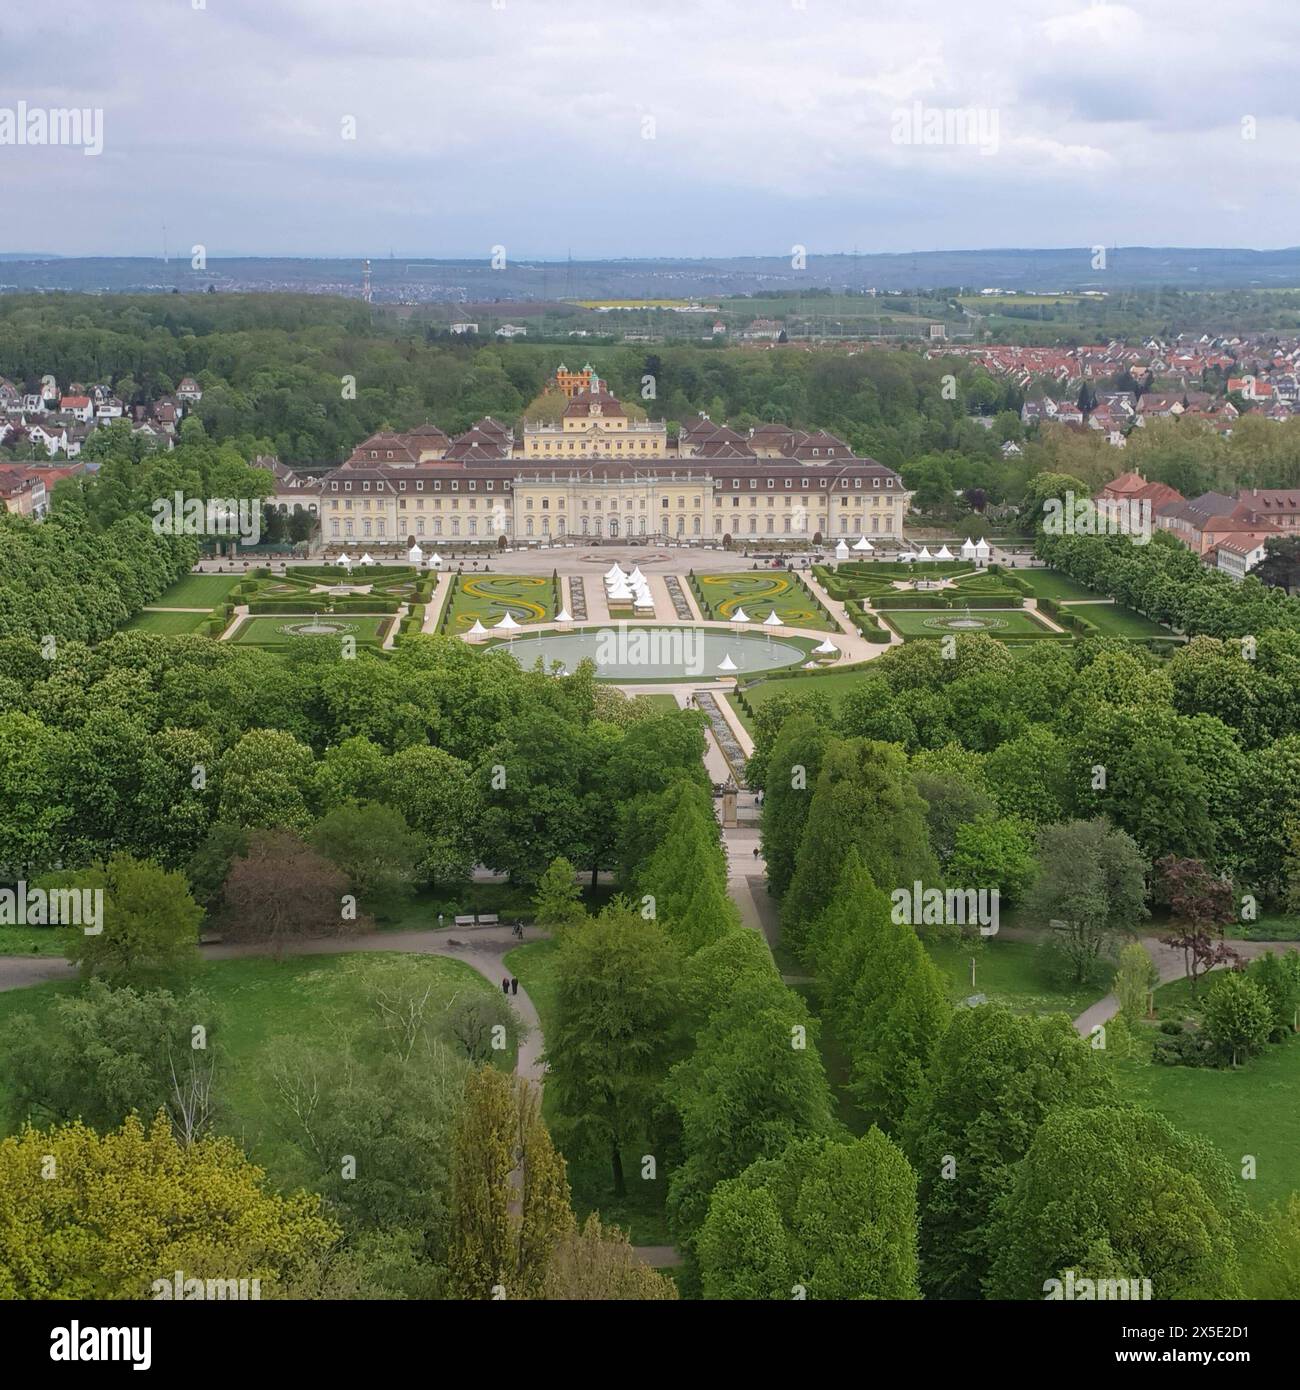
[
  {"x": 454, "y": 484},
  {"x": 849, "y": 525},
  {"x": 587, "y": 504},
  {"x": 471, "y": 484}
]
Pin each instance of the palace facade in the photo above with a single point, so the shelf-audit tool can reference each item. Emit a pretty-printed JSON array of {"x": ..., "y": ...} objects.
[{"x": 600, "y": 475}]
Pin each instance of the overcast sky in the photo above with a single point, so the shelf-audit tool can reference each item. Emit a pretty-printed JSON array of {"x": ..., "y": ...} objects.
[{"x": 524, "y": 122}]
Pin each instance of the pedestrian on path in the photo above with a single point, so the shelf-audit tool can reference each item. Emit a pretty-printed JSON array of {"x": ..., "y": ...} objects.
[
  {"x": 755, "y": 851},
  {"x": 505, "y": 986},
  {"x": 514, "y": 986}
]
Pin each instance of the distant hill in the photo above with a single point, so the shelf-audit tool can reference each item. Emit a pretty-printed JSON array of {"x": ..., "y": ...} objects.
[{"x": 463, "y": 281}]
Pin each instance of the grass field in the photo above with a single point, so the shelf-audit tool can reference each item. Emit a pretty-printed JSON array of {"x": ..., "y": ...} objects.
[
  {"x": 760, "y": 594},
  {"x": 198, "y": 591},
  {"x": 1005, "y": 622},
  {"x": 661, "y": 703},
  {"x": 173, "y": 623},
  {"x": 1006, "y": 972},
  {"x": 832, "y": 686},
  {"x": 33, "y": 941},
  {"x": 1117, "y": 621},
  {"x": 1052, "y": 584},
  {"x": 270, "y": 632},
  {"x": 488, "y": 597},
  {"x": 316, "y": 999},
  {"x": 1252, "y": 1110}
]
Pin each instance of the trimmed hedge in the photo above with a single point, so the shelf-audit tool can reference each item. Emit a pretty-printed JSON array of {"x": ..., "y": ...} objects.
[
  {"x": 947, "y": 599},
  {"x": 358, "y": 603}
]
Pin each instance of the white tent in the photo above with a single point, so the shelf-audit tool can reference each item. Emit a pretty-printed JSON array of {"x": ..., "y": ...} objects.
[
  {"x": 636, "y": 577},
  {"x": 982, "y": 548},
  {"x": 826, "y": 647},
  {"x": 613, "y": 573},
  {"x": 862, "y": 543},
  {"x": 968, "y": 549},
  {"x": 740, "y": 616},
  {"x": 345, "y": 560},
  {"x": 842, "y": 550},
  {"x": 415, "y": 555},
  {"x": 366, "y": 559},
  {"x": 435, "y": 560},
  {"x": 924, "y": 553},
  {"x": 619, "y": 593},
  {"x": 772, "y": 620},
  {"x": 726, "y": 664},
  {"x": 478, "y": 630},
  {"x": 944, "y": 554},
  {"x": 507, "y": 624},
  {"x": 563, "y": 616}
]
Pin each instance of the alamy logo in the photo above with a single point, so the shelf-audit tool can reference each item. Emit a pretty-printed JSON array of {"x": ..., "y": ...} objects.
[
  {"x": 229, "y": 517},
  {"x": 919, "y": 906},
  {"x": 919, "y": 124},
  {"x": 39, "y": 125},
  {"x": 77, "y": 1343},
  {"x": 1081, "y": 1290},
  {"x": 1110, "y": 516},
  {"x": 22, "y": 906},
  {"x": 639, "y": 647},
  {"x": 179, "y": 1288}
]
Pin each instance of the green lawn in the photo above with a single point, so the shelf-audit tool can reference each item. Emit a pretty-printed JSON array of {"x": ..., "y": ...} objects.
[
  {"x": 1116, "y": 621},
  {"x": 168, "y": 624},
  {"x": 661, "y": 703},
  {"x": 1004, "y": 622},
  {"x": 314, "y": 998},
  {"x": 32, "y": 941},
  {"x": 1006, "y": 972},
  {"x": 833, "y": 684},
  {"x": 488, "y": 597},
  {"x": 1252, "y": 1110},
  {"x": 1053, "y": 584},
  {"x": 759, "y": 594},
  {"x": 641, "y": 1212},
  {"x": 198, "y": 591},
  {"x": 271, "y": 631}
]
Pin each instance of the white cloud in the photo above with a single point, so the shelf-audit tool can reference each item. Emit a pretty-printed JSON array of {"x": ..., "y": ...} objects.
[{"x": 524, "y": 123}]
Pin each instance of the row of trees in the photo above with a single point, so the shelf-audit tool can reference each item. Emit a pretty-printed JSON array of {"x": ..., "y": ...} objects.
[
  {"x": 1168, "y": 583},
  {"x": 169, "y": 748},
  {"x": 1193, "y": 756},
  {"x": 1005, "y": 1119}
]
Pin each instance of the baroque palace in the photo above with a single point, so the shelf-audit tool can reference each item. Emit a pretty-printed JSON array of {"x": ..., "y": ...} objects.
[{"x": 598, "y": 473}]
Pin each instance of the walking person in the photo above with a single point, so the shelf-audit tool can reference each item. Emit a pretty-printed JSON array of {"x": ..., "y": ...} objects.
[
  {"x": 505, "y": 986},
  {"x": 514, "y": 986}
]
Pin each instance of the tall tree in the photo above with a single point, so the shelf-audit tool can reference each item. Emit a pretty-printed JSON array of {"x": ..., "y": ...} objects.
[
  {"x": 133, "y": 1205},
  {"x": 1119, "y": 1191},
  {"x": 835, "y": 1217},
  {"x": 865, "y": 799},
  {"x": 993, "y": 1078},
  {"x": 150, "y": 928},
  {"x": 509, "y": 1194},
  {"x": 614, "y": 1032},
  {"x": 1091, "y": 885},
  {"x": 1201, "y": 905},
  {"x": 793, "y": 767}
]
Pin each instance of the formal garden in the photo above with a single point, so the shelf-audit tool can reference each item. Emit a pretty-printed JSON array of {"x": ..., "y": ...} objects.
[
  {"x": 487, "y": 598},
  {"x": 721, "y": 596}
]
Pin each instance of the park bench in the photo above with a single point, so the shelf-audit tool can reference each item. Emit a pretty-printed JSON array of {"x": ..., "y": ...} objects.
[
  {"x": 488, "y": 919},
  {"x": 465, "y": 920}
]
